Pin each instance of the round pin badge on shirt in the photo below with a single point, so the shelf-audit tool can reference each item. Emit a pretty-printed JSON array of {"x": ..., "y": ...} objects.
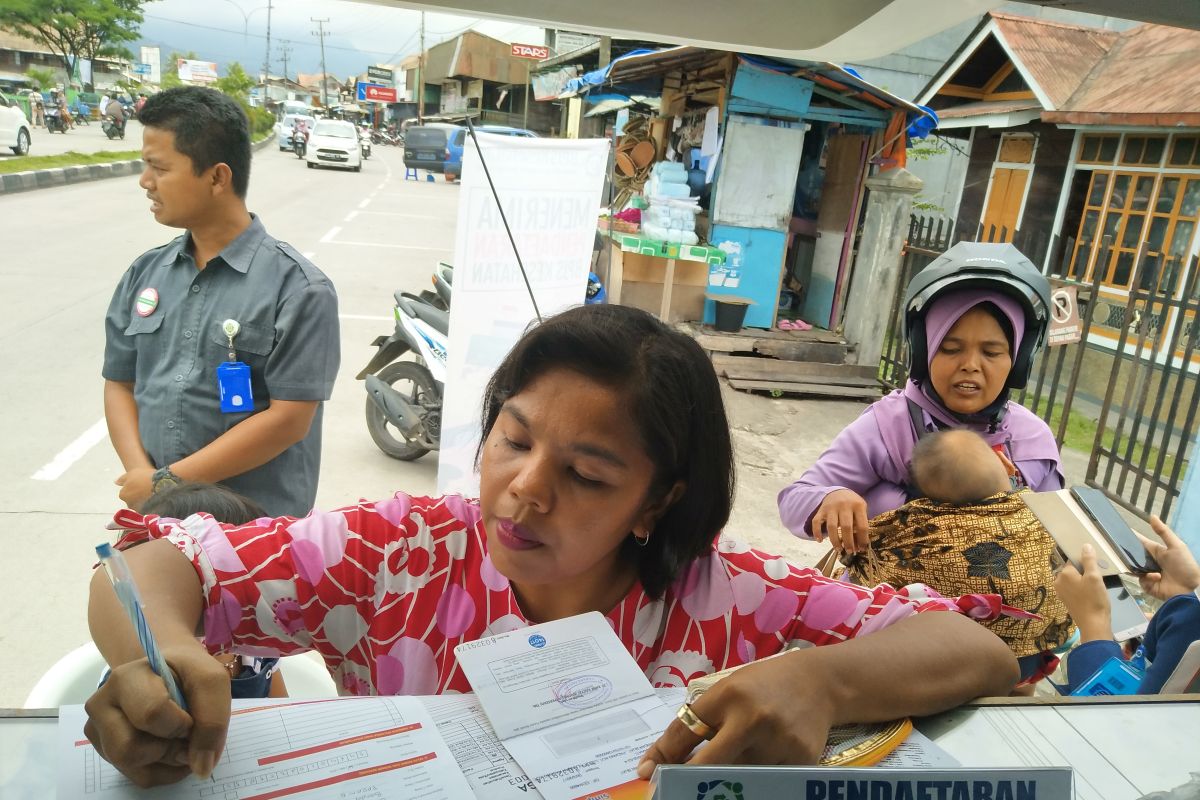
[{"x": 147, "y": 301}]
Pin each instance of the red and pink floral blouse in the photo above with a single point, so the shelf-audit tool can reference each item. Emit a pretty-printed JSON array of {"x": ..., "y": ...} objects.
[{"x": 384, "y": 591}]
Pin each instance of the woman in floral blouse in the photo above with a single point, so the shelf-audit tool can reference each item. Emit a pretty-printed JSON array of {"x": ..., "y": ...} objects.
[{"x": 606, "y": 476}]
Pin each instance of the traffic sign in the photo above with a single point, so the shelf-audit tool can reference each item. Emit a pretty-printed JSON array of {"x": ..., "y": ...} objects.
[
  {"x": 374, "y": 93},
  {"x": 141, "y": 69},
  {"x": 1065, "y": 327},
  {"x": 537, "y": 52}
]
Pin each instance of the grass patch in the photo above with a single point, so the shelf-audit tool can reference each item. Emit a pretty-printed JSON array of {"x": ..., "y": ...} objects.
[
  {"x": 1080, "y": 435},
  {"x": 68, "y": 159}
]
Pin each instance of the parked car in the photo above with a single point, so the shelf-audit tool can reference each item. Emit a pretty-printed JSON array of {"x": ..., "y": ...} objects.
[
  {"x": 425, "y": 145},
  {"x": 283, "y": 129},
  {"x": 454, "y": 147},
  {"x": 334, "y": 143},
  {"x": 15, "y": 130}
]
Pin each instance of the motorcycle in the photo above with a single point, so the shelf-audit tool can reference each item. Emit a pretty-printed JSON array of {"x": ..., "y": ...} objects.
[
  {"x": 404, "y": 398},
  {"x": 299, "y": 143},
  {"x": 54, "y": 120},
  {"x": 364, "y": 142},
  {"x": 112, "y": 129}
]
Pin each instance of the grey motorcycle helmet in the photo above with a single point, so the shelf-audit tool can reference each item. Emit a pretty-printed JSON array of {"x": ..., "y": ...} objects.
[{"x": 997, "y": 267}]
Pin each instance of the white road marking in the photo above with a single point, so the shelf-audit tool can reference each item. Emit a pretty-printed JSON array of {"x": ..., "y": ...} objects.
[
  {"x": 327, "y": 238},
  {"x": 310, "y": 254},
  {"x": 401, "y": 214},
  {"x": 379, "y": 188},
  {"x": 350, "y": 216},
  {"x": 365, "y": 202},
  {"x": 72, "y": 453},
  {"x": 366, "y": 317},
  {"x": 391, "y": 246}
]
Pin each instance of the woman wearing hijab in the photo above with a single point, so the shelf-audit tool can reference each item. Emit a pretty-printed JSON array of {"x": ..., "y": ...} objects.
[{"x": 974, "y": 319}]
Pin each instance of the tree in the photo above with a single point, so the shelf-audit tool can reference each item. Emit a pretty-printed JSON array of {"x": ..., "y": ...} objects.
[
  {"x": 75, "y": 29},
  {"x": 236, "y": 83},
  {"x": 40, "y": 77}
]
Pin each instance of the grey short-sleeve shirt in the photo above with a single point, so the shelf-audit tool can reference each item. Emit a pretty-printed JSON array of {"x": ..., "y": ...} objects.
[{"x": 163, "y": 334}]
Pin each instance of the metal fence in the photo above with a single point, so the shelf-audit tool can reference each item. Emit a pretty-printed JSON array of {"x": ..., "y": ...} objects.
[{"x": 1144, "y": 340}]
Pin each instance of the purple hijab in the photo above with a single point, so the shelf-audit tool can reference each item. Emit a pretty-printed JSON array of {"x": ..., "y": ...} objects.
[{"x": 1022, "y": 433}]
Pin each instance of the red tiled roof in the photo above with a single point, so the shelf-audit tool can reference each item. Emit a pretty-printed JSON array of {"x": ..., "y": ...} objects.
[{"x": 1058, "y": 57}]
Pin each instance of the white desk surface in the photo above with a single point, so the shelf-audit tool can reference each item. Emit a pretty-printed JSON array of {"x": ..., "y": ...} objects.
[{"x": 1122, "y": 749}]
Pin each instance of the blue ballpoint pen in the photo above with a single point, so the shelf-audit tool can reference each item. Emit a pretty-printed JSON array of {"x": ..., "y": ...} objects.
[{"x": 127, "y": 593}]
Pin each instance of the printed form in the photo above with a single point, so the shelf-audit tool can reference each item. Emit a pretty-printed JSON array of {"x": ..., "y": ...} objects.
[
  {"x": 362, "y": 748},
  {"x": 570, "y": 704}
]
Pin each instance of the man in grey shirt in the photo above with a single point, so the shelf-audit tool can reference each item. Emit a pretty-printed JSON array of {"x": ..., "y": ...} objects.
[{"x": 167, "y": 328}]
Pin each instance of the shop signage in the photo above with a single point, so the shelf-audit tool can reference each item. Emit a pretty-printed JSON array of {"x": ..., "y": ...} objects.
[
  {"x": 1065, "y": 327},
  {"x": 537, "y": 52},
  {"x": 381, "y": 75},
  {"x": 196, "y": 71},
  {"x": 374, "y": 93},
  {"x": 567, "y": 42}
]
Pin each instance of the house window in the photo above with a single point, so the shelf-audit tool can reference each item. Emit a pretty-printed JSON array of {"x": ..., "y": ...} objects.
[
  {"x": 1143, "y": 151},
  {"x": 1172, "y": 226},
  {"x": 1096, "y": 149},
  {"x": 1185, "y": 152}
]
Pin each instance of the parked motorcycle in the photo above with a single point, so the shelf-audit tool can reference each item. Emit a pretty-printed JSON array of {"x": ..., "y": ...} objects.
[{"x": 404, "y": 398}]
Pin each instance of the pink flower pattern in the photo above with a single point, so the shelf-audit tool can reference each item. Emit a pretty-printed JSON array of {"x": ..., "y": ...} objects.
[{"x": 384, "y": 591}]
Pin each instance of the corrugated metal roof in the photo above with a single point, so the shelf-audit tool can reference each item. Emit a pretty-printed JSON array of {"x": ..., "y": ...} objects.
[
  {"x": 1150, "y": 76},
  {"x": 1058, "y": 56}
]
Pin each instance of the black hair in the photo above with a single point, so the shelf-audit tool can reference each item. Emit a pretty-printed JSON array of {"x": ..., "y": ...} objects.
[
  {"x": 210, "y": 128},
  {"x": 939, "y": 470},
  {"x": 675, "y": 404},
  {"x": 191, "y": 497}
]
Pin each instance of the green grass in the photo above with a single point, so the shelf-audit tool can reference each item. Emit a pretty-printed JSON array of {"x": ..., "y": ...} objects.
[
  {"x": 1081, "y": 435},
  {"x": 68, "y": 159}
]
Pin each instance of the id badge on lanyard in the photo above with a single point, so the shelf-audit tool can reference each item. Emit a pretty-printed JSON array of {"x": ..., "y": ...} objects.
[{"x": 233, "y": 377}]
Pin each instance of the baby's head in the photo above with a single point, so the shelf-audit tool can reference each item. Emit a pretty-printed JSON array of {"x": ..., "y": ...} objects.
[
  {"x": 957, "y": 467},
  {"x": 190, "y": 497}
]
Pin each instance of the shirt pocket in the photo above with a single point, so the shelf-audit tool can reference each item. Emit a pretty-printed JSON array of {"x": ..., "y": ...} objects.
[
  {"x": 253, "y": 343},
  {"x": 138, "y": 325}
]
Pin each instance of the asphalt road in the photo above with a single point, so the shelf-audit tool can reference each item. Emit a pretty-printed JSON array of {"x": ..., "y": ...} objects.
[
  {"x": 62, "y": 252},
  {"x": 81, "y": 139}
]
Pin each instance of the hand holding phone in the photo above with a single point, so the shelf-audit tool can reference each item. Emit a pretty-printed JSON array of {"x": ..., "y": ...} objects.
[{"x": 1116, "y": 530}]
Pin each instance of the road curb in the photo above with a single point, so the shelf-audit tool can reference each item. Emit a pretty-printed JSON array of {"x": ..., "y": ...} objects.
[{"x": 30, "y": 180}]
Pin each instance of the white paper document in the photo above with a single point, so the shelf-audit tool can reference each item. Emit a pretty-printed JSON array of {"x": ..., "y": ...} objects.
[
  {"x": 320, "y": 749},
  {"x": 570, "y": 704}
]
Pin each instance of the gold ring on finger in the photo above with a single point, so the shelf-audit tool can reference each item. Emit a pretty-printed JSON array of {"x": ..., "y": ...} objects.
[{"x": 694, "y": 724}]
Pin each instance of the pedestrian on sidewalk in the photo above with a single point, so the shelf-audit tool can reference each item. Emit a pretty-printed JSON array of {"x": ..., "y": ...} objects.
[
  {"x": 37, "y": 112},
  {"x": 222, "y": 345}
]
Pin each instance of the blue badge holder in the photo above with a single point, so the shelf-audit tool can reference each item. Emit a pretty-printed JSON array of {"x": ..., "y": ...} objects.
[
  {"x": 233, "y": 382},
  {"x": 1115, "y": 676}
]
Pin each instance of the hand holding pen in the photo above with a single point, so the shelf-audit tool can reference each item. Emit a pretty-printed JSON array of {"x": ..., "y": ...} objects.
[{"x": 158, "y": 719}]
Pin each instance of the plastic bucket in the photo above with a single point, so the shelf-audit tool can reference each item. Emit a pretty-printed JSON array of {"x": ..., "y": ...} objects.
[{"x": 730, "y": 312}]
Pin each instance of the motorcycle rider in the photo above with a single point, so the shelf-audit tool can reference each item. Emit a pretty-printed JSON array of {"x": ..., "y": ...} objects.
[
  {"x": 300, "y": 136},
  {"x": 111, "y": 107}
]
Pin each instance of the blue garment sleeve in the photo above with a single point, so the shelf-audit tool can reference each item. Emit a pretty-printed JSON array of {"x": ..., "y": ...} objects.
[
  {"x": 1084, "y": 661},
  {"x": 1170, "y": 633}
]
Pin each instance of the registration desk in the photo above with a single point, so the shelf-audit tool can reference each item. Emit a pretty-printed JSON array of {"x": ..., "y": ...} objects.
[{"x": 1120, "y": 748}]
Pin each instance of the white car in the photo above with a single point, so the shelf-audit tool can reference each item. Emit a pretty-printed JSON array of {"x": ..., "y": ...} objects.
[
  {"x": 14, "y": 128},
  {"x": 334, "y": 143},
  {"x": 284, "y": 128}
]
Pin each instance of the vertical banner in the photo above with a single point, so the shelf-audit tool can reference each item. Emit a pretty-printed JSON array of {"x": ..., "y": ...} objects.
[
  {"x": 152, "y": 56},
  {"x": 551, "y": 191}
]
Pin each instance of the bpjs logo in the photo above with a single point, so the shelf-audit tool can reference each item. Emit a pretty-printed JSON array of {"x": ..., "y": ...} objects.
[{"x": 719, "y": 790}]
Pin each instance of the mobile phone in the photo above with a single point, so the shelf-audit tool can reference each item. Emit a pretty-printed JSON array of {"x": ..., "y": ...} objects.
[
  {"x": 1128, "y": 619},
  {"x": 1114, "y": 528}
]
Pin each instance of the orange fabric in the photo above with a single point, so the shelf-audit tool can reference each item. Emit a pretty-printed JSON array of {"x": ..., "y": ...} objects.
[{"x": 895, "y": 147}]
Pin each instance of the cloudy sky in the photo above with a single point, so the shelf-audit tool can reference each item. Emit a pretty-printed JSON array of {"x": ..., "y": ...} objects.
[{"x": 358, "y": 34}]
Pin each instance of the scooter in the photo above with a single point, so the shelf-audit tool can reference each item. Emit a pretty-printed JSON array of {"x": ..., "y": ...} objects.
[
  {"x": 54, "y": 120},
  {"x": 404, "y": 398},
  {"x": 112, "y": 129},
  {"x": 300, "y": 143}
]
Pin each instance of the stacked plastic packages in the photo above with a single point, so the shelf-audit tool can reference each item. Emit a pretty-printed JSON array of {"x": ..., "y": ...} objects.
[{"x": 671, "y": 216}]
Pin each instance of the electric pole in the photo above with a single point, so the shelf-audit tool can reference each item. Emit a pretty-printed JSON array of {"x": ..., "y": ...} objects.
[
  {"x": 321, "y": 33},
  {"x": 285, "y": 50},
  {"x": 267, "y": 56},
  {"x": 421, "y": 76}
]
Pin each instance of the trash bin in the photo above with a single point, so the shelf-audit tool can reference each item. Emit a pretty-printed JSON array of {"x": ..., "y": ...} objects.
[{"x": 730, "y": 311}]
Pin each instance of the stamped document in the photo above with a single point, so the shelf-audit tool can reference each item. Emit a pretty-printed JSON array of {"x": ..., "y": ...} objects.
[
  {"x": 336, "y": 748},
  {"x": 570, "y": 704}
]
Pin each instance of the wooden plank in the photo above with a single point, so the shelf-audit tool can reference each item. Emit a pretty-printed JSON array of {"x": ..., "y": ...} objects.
[
  {"x": 808, "y": 368},
  {"x": 728, "y": 342},
  {"x": 803, "y": 351},
  {"x": 819, "y": 389}
]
